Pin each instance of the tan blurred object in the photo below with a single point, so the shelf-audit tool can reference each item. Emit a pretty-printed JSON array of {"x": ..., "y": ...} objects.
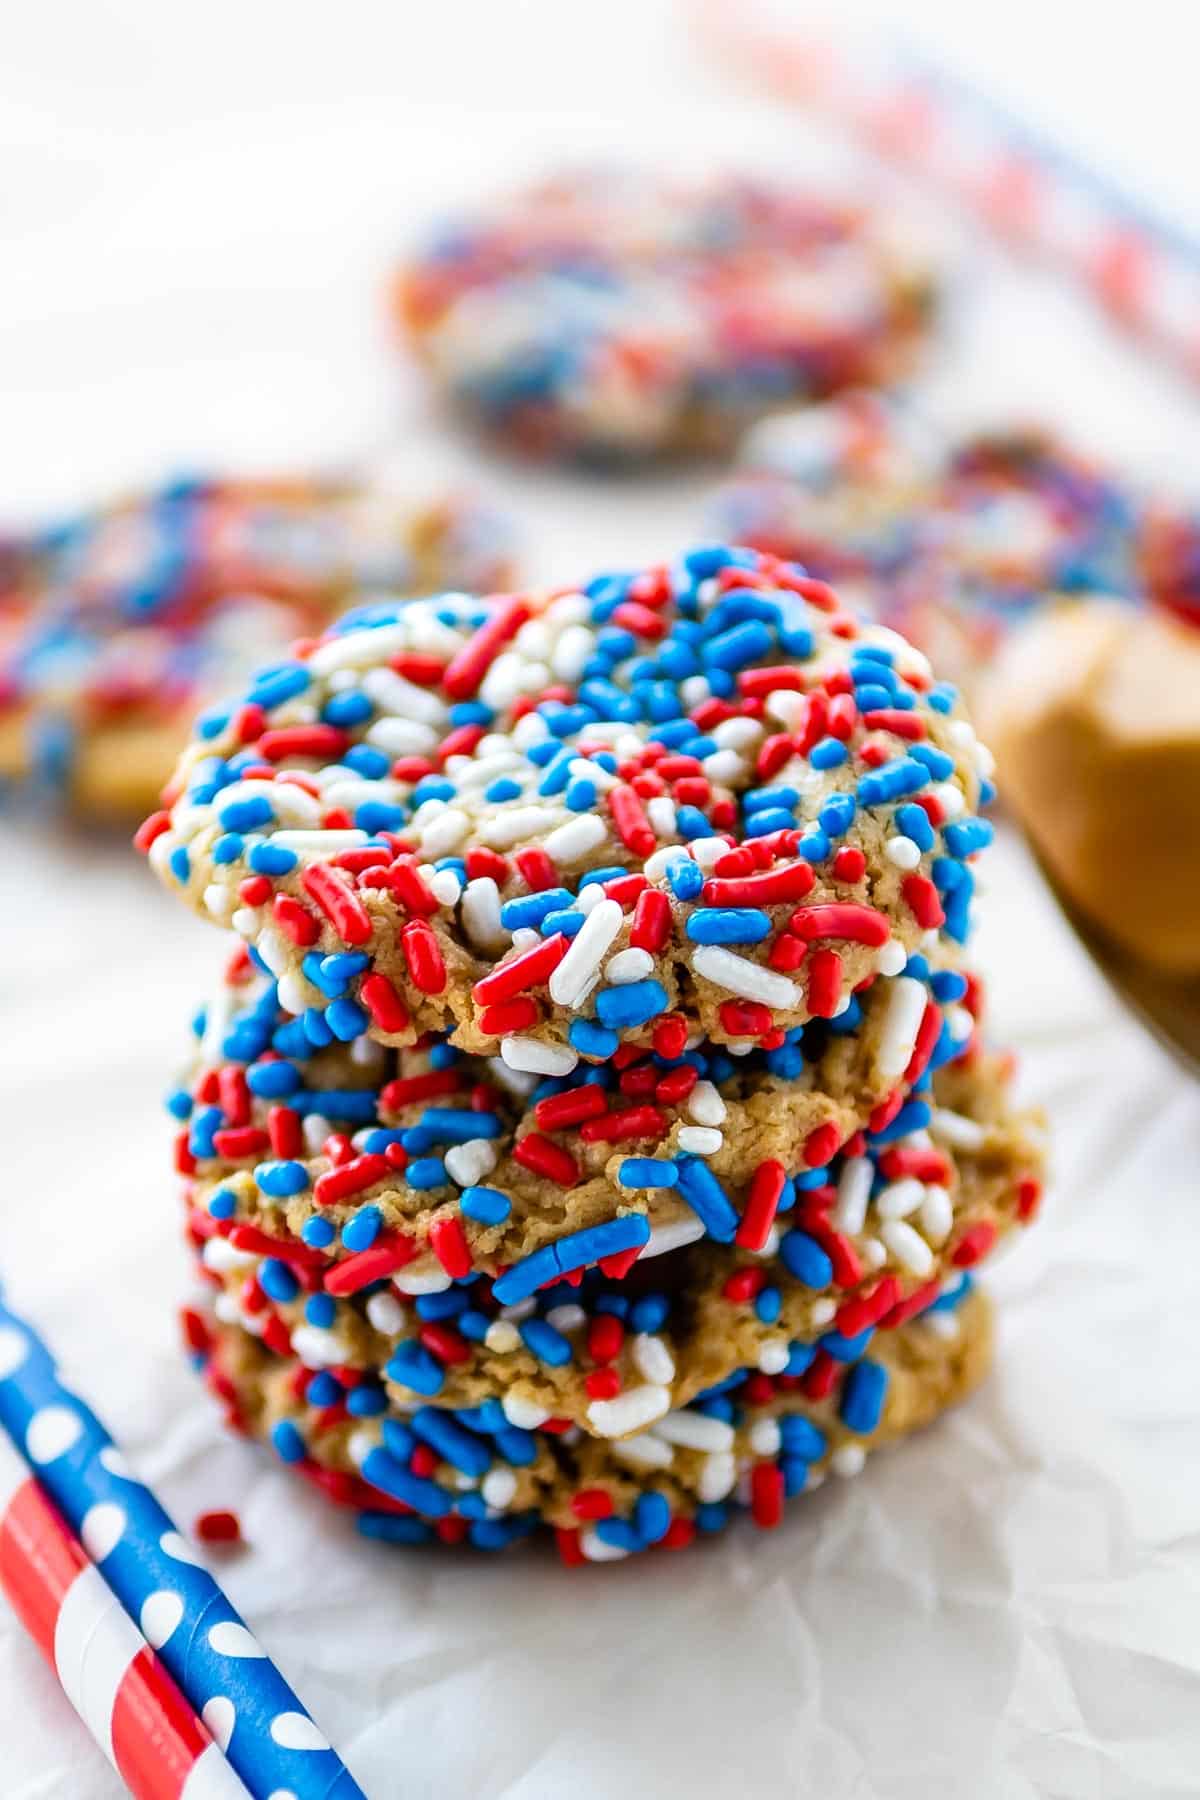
[{"x": 1094, "y": 715}]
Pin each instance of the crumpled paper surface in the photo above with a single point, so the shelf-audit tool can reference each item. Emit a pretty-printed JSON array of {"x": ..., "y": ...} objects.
[{"x": 1004, "y": 1607}]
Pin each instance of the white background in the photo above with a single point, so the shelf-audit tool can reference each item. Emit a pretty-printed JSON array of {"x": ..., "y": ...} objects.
[{"x": 198, "y": 208}]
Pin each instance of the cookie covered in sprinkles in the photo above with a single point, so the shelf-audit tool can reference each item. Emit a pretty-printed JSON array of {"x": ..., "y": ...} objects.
[
  {"x": 611, "y": 315},
  {"x": 594, "y": 1130}
]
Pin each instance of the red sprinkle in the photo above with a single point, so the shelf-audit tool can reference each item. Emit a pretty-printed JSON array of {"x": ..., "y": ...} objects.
[
  {"x": 217, "y": 1528},
  {"x": 603, "y": 1384},
  {"x": 651, "y": 921},
  {"x": 620, "y": 1127},
  {"x": 767, "y": 889},
  {"x": 423, "y": 956},
  {"x": 856, "y": 924},
  {"x": 408, "y": 1089},
  {"x": 294, "y": 920},
  {"x": 849, "y": 865},
  {"x": 592, "y": 1503},
  {"x": 324, "y": 742},
  {"x": 544, "y": 1158},
  {"x": 340, "y": 904},
  {"x": 670, "y": 1036},
  {"x": 510, "y": 1015},
  {"x": 629, "y": 817},
  {"x": 384, "y": 1004},
  {"x": 570, "y": 1107},
  {"x": 973, "y": 1244},
  {"x": 449, "y": 1244},
  {"x": 149, "y": 829},
  {"x": 766, "y": 1495},
  {"x": 745, "y": 1018},
  {"x": 351, "y": 1178},
  {"x": 922, "y": 900},
  {"x": 537, "y": 868},
  {"x": 821, "y": 1145},
  {"x": 818, "y": 1379},
  {"x": 387, "y": 1254},
  {"x": 606, "y": 1334},
  {"x": 824, "y": 983},
  {"x": 467, "y": 668},
  {"x": 531, "y": 969},
  {"x": 442, "y": 1341}
]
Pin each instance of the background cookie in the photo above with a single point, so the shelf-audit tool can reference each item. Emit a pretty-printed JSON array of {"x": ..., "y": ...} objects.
[
  {"x": 116, "y": 625},
  {"x": 616, "y": 315}
]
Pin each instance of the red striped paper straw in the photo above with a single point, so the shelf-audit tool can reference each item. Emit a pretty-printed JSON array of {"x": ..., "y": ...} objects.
[
  {"x": 1138, "y": 267},
  {"x": 109, "y": 1673}
]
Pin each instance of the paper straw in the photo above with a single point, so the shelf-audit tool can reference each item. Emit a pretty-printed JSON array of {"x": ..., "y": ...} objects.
[
  {"x": 244, "y": 1701},
  {"x": 1138, "y": 267}
]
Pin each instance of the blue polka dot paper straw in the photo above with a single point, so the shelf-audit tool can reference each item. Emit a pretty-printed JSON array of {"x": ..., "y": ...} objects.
[{"x": 242, "y": 1698}]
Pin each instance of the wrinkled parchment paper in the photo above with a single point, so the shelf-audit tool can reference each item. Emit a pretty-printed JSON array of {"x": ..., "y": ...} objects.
[{"x": 1009, "y": 1605}]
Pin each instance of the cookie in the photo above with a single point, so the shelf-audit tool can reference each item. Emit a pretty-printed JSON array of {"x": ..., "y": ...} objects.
[
  {"x": 420, "y": 1474},
  {"x": 565, "y": 825},
  {"x": 115, "y": 626},
  {"x": 953, "y": 544},
  {"x": 616, "y": 316}
]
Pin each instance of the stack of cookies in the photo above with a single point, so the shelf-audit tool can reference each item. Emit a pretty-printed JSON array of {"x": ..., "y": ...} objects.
[{"x": 593, "y": 1128}]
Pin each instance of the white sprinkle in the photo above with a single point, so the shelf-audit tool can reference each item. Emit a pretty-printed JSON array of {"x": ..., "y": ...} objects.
[
  {"x": 531, "y": 730},
  {"x": 319, "y": 1349},
  {"x": 359, "y": 649},
  {"x": 218, "y": 900},
  {"x": 517, "y": 1081},
  {"x": 314, "y": 1129},
  {"x": 573, "y": 650},
  {"x": 502, "y": 1337},
  {"x": 937, "y": 1214},
  {"x": 899, "y": 1198},
  {"x": 736, "y": 734},
  {"x": 847, "y": 1460},
  {"x": 587, "y": 947},
  {"x": 361, "y": 1442},
  {"x": 695, "y": 1431},
  {"x": 598, "y": 1549},
  {"x": 660, "y": 810},
  {"x": 950, "y": 798},
  {"x": 658, "y": 862},
  {"x": 854, "y": 1190},
  {"x": 694, "y": 691},
  {"x": 653, "y": 1359},
  {"x": 425, "y": 1276},
  {"x": 708, "y": 850},
  {"x": 507, "y": 827},
  {"x": 891, "y": 957},
  {"x": 774, "y": 1356},
  {"x": 750, "y": 980},
  {"x": 498, "y": 1487},
  {"x": 403, "y": 699},
  {"x": 401, "y": 737},
  {"x": 470, "y": 1162},
  {"x": 527, "y": 1415},
  {"x": 705, "y": 1105},
  {"x": 573, "y": 840},
  {"x": 873, "y": 1253},
  {"x": 907, "y": 1246},
  {"x": 957, "y": 1130},
  {"x": 645, "y": 1451},
  {"x": 717, "y": 1477},
  {"x": 673, "y": 1236},
  {"x": 725, "y": 766},
  {"x": 445, "y": 886},
  {"x": 700, "y": 1140},
  {"x": 525, "y": 938},
  {"x": 386, "y": 1313},
  {"x": 320, "y": 843},
  {"x": 294, "y": 993},
  {"x": 786, "y": 706},
  {"x": 222, "y": 1256},
  {"x": 567, "y": 1318},
  {"x": 942, "y": 1324},
  {"x": 630, "y": 1411},
  {"x": 628, "y": 965},
  {"x": 902, "y": 853},
  {"x": 532, "y": 1054},
  {"x": 901, "y": 1022},
  {"x": 764, "y": 1437},
  {"x": 481, "y": 914},
  {"x": 445, "y": 833},
  {"x": 822, "y": 1311}
]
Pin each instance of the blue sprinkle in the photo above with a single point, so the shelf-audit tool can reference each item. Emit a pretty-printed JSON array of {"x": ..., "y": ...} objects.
[
  {"x": 281, "y": 1179},
  {"x": 913, "y": 822},
  {"x": 691, "y": 823},
  {"x": 227, "y": 849},
  {"x": 530, "y": 909},
  {"x": 800, "y": 1437},
  {"x": 383, "y": 1471},
  {"x": 837, "y": 814},
  {"x": 244, "y": 815},
  {"x": 366, "y": 1401},
  {"x": 647, "y": 1172},
  {"x": 711, "y": 1516},
  {"x": 862, "y": 1397},
  {"x": 462, "y": 1449},
  {"x": 567, "y": 922},
  {"x": 629, "y": 1231},
  {"x": 581, "y": 796},
  {"x": 393, "y": 1528},
  {"x": 632, "y": 1004},
  {"x": 222, "y": 1204},
  {"x": 360, "y": 1232},
  {"x": 828, "y": 753},
  {"x": 544, "y": 1342},
  {"x": 804, "y": 1258},
  {"x": 271, "y": 859},
  {"x": 771, "y": 818},
  {"x": 814, "y": 847},
  {"x": 650, "y": 1313},
  {"x": 685, "y": 876},
  {"x": 940, "y": 766},
  {"x": 288, "y": 1442},
  {"x": 728, "y": 925},
  {"x": 348, "y": 708},
  {"x": 426, "y": 1172},
  {"x": 317, "y": 1233},
  {"x": 346, "y": 1019},
  {"x": 412, "y": 1366},
  {"x": 320, "y": 1310},
  {"x": 180, "y": 864},
  {"x": 768, "y": 1305},
  {"x": 759, "y": 798},
  {"x": 652, "y": 1516},
  {"x": 747, "y": 643},
  {"x": 366, "y": 761},
  {"x": 707, "y": 1199},
  {"x": 487, "y": 1206},
  {"x": 273, "y": 686},
  {"x": 277, "y": 1280}
]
